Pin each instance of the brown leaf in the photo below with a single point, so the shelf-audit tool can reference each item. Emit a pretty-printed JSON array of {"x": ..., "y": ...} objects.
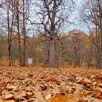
[
  {"x": 53, "y": 80},
  {"x": 8, "y": 101},
  {"x": 9, "y": 96}
]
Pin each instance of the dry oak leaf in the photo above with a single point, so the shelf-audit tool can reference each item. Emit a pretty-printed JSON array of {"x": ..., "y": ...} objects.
[
  {"x": 98, "y": 94},
  {"x": 83, "y": 93},
  {"x": 83, "y": 101},
  {"x": 1, "y": 100},
  {"x": 62, "y": 98},
  {"x": 26, "y": 94},
  {"x": 99, "y": 76},
  {"x": 29, "y": 94},
  {"x": 58, "y": 98},
  {"x": 8, "y": 101},
  {"x": 53, "y": 80},
  {"x": 53, "y": 100},
  {"x": 30, "y": 75},
  {"x": 9, "y": 96},
  {"x": 11, "y": 87},
  {"x": 86, "y": 82}
]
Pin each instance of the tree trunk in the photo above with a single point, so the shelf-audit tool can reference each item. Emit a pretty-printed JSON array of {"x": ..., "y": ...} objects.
[
  {"x": 52, "y": 54},
  {"x": 19, "y": 38},
  {"x": 9, "y": 33},
  {"x": 46, "y": 52},
  {"x": 24, "y": 35}
]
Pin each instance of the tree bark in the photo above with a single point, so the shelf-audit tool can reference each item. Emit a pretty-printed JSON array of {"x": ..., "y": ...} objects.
[
  {"x": 19, "y": 37},
  {"x": 24, "y": 35},
  {"x": 52, "y": 54}
]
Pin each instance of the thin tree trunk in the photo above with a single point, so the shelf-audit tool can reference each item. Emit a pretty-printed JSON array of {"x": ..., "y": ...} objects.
[
  {"x": 8, "y": 35},
  {"x": 24, "y": 33},
  {"x": 19, "y": 38}
]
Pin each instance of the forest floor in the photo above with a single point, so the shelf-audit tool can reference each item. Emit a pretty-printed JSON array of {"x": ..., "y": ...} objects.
[{"x": 31, "y": 84}]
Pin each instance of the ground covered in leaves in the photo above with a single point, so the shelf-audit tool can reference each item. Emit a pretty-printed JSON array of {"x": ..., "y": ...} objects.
[{"x": 50, "y": 85}]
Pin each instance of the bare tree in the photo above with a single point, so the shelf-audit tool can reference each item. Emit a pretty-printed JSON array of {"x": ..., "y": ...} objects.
[
  {"x": 53, "y": 14},
  {"x": 17, "y": 12},
  {"x": 22, "y": 13},
  {"x": 92, "y": 15},
  {"x": 10, "y": 26},
  {"x": 18, "y": 29}
]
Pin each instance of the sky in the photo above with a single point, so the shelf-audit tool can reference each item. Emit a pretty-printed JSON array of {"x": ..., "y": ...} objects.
[{"x": 75, "y": 18}]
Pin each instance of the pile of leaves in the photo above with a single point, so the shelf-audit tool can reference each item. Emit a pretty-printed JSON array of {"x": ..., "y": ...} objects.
[{"x": 50, "y": 85}]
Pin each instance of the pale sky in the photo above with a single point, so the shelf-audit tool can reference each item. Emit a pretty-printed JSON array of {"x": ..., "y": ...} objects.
[{"x": 75, "y": 17}]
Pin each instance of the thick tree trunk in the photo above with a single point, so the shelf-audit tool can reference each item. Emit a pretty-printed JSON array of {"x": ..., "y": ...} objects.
[
  {"x": 46, "y": 52},
  {"x": 49, "y": 58},
  {"x": 52, "y": 54},
  {"x": 98, "y": 49}
]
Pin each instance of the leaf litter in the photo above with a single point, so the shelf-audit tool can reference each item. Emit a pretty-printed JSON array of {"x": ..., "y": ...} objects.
[{"x": 50, "y": 85}]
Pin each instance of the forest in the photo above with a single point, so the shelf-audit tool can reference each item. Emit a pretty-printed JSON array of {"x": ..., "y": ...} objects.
[{"x": 50, "y": 50}]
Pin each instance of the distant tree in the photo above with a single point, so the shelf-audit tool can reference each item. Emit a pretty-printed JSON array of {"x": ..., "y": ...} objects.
[
  {"x": 16, "y": 16},
  {"x": 10, "y": 27},
  {"x": 17, "y": 10},
  {"x": 92, "y": 16}
]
